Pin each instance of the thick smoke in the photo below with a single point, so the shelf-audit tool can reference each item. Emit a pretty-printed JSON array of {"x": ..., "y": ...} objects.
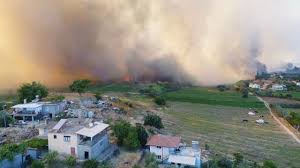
[{"x": 203, "y": 41}]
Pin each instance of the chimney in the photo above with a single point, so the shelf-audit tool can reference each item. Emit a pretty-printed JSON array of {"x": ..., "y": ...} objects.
[
  {"x": 46, "y": 121},
  {"x": 195, "y": 145}
]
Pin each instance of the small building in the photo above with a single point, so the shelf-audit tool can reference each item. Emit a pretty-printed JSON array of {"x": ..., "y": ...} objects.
[
  {"x": 37, "y": 110},
  {"x": 52, "y": 109},
  {"x": 162, "y": 145},
  {"x": 279, "y": 87},
  {"x": 80, "y": 138},
  {"x": 170, "y": 150},
  {"x": 254, "y": 86},
  {"x": 28, "y": 111}
]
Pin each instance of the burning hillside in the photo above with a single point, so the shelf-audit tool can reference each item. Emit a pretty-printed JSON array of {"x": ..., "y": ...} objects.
[{"x": 202, "y": 41}]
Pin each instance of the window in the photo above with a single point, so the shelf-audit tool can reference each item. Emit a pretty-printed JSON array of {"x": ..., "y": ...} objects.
[
  {"x": 54, "y": 136},
  {"x": 159, "y": 147},
  {"x": 158, "y": 157},
  {"x": 67, "y": 138}
]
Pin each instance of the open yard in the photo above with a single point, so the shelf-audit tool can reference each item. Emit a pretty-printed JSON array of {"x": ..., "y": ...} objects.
[
  {"x": 213, "y": 97},
  {"x": 221, "y": 127}
]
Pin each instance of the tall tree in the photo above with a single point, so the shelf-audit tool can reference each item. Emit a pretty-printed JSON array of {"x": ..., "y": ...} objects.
[
  {"x": 131, "y": 141},
  {"x": 28, "y": 91},
  {"x": 121, "y": 130},
  {"x": 80, "y": 86},
  {"x": 142, "y": 135}
]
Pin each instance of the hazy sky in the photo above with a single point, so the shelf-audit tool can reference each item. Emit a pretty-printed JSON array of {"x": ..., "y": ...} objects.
[{"x": 210, "y": 41}]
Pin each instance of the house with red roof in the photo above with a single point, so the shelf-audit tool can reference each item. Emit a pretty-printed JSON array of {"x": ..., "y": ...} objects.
[
  {"x": 171, "y": 150},
  {"x": 162, "y": 145}
]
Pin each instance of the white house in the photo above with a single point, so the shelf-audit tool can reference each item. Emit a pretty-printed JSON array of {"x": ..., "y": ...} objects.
[
  {"x": 162, "y": 145},
  {"x": 28, "y": 111},
  {"x": 35, "y": 111},
  {"x": 279, "y": 87},
  {"x": 254, "y": 86},
  {"x": 170, "y": 150},
  {"x": 80, "y": 138}
]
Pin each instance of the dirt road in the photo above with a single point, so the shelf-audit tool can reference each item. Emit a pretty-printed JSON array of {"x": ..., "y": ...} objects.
[{"x": 278, "y": 121}]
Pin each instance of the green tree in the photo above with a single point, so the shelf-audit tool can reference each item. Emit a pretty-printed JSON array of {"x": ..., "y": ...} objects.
[
  {"x": 80, "y": 86},
  {"x": 90, "y": 164},
  {"x": 121, "y": 130},
  {"x": 131, "y": 141},
  {"x": 28, "y": 91},
  {"x": 153, "y": 120},
  {"x": 37, "y": 164},
  {"x": 142, "y": 135},
  {"x": 269, "y": 164},
  {"x": 70, "y": 161}
]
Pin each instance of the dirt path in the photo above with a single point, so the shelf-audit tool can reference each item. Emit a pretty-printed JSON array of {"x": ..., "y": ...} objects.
[{"x": 278, "y": 121}]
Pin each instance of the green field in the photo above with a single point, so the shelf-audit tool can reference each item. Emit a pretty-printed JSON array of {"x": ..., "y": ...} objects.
[
  {"x": 114, "y": 87},
  {"x": 213, "y": 97},
  {"x": 221, "y": 127}
]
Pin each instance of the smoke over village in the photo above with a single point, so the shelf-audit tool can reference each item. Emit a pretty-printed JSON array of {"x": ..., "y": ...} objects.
[{"x": 206, "y": 42}]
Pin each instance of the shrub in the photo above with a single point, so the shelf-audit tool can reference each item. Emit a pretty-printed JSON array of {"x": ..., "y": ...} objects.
[
  {"x": 160, "y": 101},
  {"x": 245, "y": 93},
  {"x": 90, "y": 164},
  {"x": 70, "y": 161},
  {"x": 51, "y": 157},
  {"x": 98, "y": 96},
  {"x": 153, "y": 120},
  {"x": 37, "y": 164},
  {"x": 269, "y": 164},
  {"x": 150, "y": 161},
  {"x": 37, "y": 143}
]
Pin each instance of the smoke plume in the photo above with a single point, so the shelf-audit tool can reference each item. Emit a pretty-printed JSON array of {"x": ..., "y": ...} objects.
[{"x": 204, "y": 41}]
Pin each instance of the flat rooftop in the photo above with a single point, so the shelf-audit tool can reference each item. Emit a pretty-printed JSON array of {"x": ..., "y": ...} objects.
[
  {"x": 78, "y": 125},
  {"x": 28, "y": 105}
]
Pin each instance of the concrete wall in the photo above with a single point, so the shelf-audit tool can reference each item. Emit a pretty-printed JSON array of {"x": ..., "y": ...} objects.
[
  {"x": 95, "y": 150},
  {"x": 163, "y": 151},
  {"x": 60, "y": 145},
  {"x": 53, "y": 109}
]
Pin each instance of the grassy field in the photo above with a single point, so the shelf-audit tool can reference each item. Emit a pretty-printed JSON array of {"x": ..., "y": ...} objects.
[
  {"x": 114, "y": 87},
  {"x": 221, "y": 127},
  {"x": 213, "y": 97}
]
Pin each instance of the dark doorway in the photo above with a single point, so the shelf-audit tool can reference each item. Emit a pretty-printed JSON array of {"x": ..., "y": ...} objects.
[{"x": 86, "y": 155}]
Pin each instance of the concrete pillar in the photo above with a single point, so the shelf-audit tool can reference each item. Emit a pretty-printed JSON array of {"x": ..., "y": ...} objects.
[
  {"x": 23, "y": 118},
  {"x": 32, "y": 118}
]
